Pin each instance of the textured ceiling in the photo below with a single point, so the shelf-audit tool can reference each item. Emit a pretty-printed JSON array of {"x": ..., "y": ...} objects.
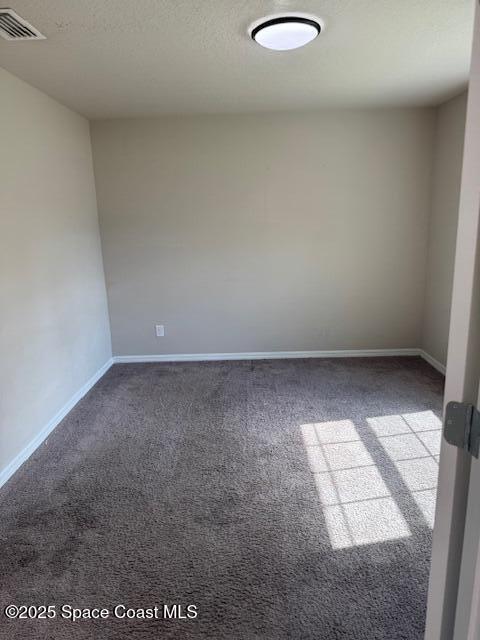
[{"x": 122, "y": 58}]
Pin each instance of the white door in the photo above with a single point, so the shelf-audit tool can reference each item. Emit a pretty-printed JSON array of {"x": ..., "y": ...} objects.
[
  {"x": 467, "y": 618},
  {"x": 454, "y": 590}
]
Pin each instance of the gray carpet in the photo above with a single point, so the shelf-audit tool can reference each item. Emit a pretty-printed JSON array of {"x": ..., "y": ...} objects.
[{"x": 195, "y": 483}]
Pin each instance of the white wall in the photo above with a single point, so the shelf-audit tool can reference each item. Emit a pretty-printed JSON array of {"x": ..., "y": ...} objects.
[
  {"x": 54, "y": 330},
  {"x": 446, "y": 179},
  {"x": 265, "y": 232}
]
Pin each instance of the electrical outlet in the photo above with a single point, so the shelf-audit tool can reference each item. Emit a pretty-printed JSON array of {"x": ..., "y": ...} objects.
[{"x": 159, "y": 330}]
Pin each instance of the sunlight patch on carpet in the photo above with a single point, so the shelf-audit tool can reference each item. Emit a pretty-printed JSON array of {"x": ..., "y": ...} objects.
[{"x": 357, "y": 504}]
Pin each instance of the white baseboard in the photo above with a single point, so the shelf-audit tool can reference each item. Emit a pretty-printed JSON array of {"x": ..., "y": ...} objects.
[
  {"x": 431, "y": 360},
  {"x": 10, "y": 469},
  {"x": 272, "y": 355},
  {"x": 267, "y": 355},
  {"x": 19, "y": 459}
]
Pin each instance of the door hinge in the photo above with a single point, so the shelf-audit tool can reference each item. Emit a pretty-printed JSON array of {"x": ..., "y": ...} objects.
[{"x": 462, "y": 426}]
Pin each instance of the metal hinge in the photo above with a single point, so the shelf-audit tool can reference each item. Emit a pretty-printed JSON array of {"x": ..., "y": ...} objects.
[{"x": 462, "y": 427}]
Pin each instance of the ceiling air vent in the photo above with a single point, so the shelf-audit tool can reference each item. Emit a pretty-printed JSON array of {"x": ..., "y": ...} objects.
[{"x": 13, "y": 27}]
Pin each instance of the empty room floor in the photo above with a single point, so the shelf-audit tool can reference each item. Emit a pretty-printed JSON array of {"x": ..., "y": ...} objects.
[{"x": 284, "y": 498}]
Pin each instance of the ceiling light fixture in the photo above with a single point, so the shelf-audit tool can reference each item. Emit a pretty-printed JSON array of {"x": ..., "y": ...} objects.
[{"x": 282, "y": 33}]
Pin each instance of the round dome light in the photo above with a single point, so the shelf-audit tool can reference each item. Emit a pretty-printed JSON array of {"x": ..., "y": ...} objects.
[{"x": 285, "y": 32}]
